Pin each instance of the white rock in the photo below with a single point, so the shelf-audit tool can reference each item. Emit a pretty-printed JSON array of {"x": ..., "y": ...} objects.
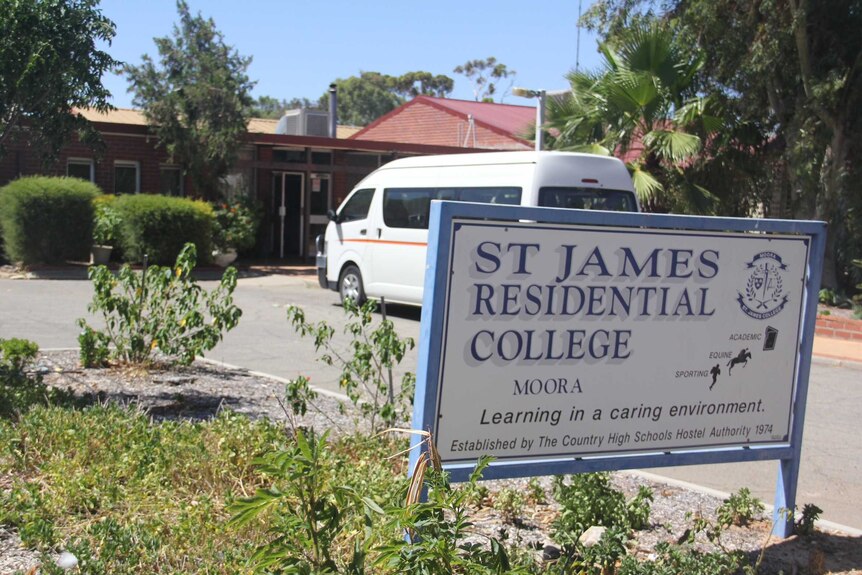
[
  {"x": 592, "y": 536},
  {"x": 67, "y": 561}
]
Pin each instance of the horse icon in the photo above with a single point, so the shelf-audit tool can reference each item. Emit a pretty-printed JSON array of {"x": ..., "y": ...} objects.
[{"x": 742, "y": 357}]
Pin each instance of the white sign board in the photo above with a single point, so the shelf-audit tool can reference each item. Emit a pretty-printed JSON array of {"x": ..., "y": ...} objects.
[{"x": 562, "y": 341}]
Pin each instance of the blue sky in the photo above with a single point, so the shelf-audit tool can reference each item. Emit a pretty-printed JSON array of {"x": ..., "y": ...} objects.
[{"x": 300, "y": 46}]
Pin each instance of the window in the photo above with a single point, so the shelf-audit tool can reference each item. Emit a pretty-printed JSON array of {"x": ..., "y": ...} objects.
[
  {"x": 357, "y": 206},
  {"x": 80, "y": 168},
  {"x": 321, "y": 158},
  {"x": 170, "y": 181},
  {"x": 319, "y": 193},
  {"x": 587, "y": 199},
  {"x": 289, "y": 156},
  {"x": 410, "y": 207},
  {"x": 358, "y": 159},
  {"x": 126, "y": 180}
]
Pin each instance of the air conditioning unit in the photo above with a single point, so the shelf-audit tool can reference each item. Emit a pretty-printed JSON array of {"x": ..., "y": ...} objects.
[{"x": 304, "y": 122}]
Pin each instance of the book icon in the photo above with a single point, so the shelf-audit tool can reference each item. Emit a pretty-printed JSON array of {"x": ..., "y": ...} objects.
[{"x": 769, "y": 339}]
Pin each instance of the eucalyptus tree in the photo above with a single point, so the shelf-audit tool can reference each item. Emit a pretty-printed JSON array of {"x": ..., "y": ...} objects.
[
  {"x": 486, "y": 76},
  {"x": 642, "y": 105}
]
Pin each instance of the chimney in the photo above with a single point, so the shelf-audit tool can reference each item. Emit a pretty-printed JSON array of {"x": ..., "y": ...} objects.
[{"x": 333, "y": 107}]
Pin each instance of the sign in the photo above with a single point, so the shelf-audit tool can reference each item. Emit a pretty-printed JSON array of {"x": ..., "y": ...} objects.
[
  {"x": 564, "y": 341},
  {"x": 567, "y": 341}
]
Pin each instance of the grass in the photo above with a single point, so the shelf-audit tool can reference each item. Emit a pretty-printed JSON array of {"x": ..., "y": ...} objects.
[{"x": 127, "y": 495}]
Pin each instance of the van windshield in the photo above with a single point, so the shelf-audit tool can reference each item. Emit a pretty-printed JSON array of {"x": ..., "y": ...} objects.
[{"x": 587, "y": 199}]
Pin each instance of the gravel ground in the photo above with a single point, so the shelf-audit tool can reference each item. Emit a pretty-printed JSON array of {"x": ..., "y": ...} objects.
[{"x": 201, "y": 390}]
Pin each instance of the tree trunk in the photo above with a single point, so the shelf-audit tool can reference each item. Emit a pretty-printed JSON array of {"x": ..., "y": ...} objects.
[{"x": 827, "y": 209}]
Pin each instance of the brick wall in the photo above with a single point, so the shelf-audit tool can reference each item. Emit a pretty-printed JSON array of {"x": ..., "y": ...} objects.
[
  {"x": 839, "y": 327},
  {"x": 20, "y": 159}
]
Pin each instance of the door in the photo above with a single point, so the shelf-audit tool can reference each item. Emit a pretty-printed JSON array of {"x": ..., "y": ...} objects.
[{"x": 288, "y": 215}]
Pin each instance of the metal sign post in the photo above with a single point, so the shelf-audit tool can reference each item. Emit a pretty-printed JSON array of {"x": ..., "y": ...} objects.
[{"x": 566, "y": 341}]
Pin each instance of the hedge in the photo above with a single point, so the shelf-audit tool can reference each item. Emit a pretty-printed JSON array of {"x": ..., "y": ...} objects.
[
  {"x": 159, "y": 226},
  {"x": 46, "y": 219}
]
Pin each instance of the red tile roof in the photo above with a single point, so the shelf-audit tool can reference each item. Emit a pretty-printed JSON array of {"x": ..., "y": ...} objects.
[
  {"x": 504, "y": 124},
  {"x": 512, "y": 119}
]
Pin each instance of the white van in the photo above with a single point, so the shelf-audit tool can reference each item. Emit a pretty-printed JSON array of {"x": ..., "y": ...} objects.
[{"x": 375, "y": 244}]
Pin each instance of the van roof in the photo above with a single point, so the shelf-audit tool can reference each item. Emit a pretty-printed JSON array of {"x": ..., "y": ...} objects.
[{"x": 487, "y": 158}]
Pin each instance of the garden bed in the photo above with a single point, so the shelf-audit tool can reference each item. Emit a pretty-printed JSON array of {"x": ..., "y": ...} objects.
[{"x": 200, "y": 391}]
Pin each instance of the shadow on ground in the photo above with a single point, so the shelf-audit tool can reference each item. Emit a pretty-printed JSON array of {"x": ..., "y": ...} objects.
[{"x": 817, "y": 553}]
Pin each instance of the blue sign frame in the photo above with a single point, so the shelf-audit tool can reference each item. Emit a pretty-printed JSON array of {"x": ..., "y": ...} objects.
[{"x": 432, "y": 331}]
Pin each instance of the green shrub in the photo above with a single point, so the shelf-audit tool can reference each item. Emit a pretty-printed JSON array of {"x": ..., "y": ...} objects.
[
  {"x": 161, "y": 309},
  {"x": 47, "y": 220},
  {"x": 589, "y": 499},
  {"x": 159, "y": 227},
  {"x": 15, "y": 356},
  {"x": 106, "y": 221},
  {"x": 20, "y": 388}
]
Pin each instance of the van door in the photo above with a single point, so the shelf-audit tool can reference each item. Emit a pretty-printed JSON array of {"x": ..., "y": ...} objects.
[
  {"x": 400, "y": 235},
  {"x": 347, "y": 238}
]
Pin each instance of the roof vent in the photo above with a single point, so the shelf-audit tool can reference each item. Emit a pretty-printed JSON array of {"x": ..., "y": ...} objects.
[{"x": 303, "y": 122}]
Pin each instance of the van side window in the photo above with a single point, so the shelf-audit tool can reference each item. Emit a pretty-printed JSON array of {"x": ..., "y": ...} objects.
[
  {"x": 587, "y": 199},
  {"x": 407, "y": 208},
  {"x": 356, "y": 208},
  {"x": 410, "y": 207}
]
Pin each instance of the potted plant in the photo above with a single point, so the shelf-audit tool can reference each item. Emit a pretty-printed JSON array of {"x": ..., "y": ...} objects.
[
  {"x": 105, "y": 225},
  {"x": 234, "y": 229}
]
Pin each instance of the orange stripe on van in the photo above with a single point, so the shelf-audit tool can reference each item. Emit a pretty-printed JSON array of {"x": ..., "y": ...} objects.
[{"x": 389, "y": 242}]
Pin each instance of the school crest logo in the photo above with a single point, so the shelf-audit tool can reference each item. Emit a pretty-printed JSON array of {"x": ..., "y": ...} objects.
[{"x": 764, "y": 296}]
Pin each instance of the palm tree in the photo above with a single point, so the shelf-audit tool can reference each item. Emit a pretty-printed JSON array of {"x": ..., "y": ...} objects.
[{"x": 643, "y": 107}]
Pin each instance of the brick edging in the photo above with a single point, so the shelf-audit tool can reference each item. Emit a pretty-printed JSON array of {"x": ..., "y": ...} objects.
[{"x": 838, "y": 327}]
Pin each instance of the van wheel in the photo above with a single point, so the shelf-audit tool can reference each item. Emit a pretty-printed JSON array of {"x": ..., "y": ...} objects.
[{"x": 350, "y": 285}]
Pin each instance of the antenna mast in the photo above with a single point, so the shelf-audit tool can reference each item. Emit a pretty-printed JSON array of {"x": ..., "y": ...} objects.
[{"x": 578, "y": 47}]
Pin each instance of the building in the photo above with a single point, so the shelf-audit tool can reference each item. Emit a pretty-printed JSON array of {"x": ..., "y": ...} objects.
[
  {"x": 458, "y": 123},
  {"x": 296, "y": 177},
  {"x": 289, "y": 165}
]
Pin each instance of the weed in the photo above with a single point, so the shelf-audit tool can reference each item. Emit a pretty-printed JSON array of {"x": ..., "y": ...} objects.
[
  {"x": 638, "y": 508},
  {"x": 805, "y": 524},
  {"x": 675, "y": 559},
  {"x": 510, "y": 504},
  {"x": 439, "y": 527},
  {"x": 366, "y": 372},
  {"x": 94, "y": 346},
  {"x": 535, "y": 492},
  {"x": 739, "y": 509},
  {"x": 477, "y": 494},
  {"x": 312, "y": 512}
]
